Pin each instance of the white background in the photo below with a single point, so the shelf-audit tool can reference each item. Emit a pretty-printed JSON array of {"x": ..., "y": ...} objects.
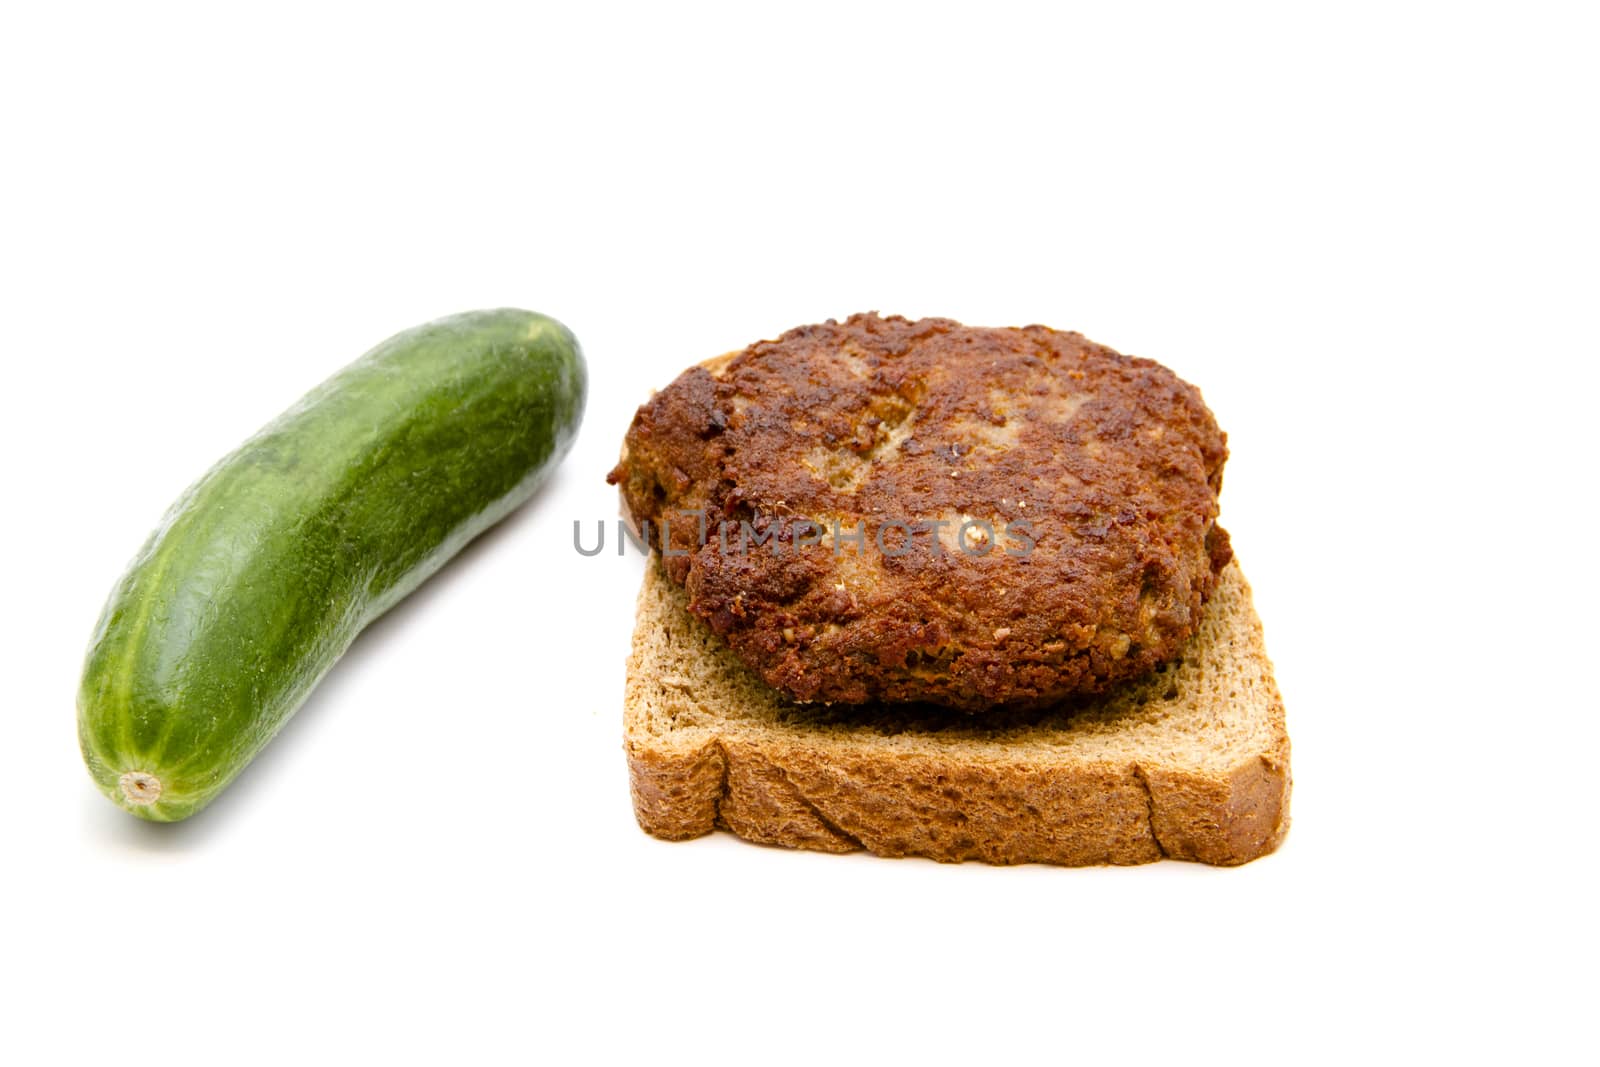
[{"x": 1368, "y": 234}]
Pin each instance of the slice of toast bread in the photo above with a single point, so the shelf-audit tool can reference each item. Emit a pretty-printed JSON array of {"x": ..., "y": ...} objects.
[{"x": 1190, "y": 763}]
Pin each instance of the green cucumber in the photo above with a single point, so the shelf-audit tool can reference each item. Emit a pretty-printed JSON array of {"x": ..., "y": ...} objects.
[{"x": 264, "y": 570}]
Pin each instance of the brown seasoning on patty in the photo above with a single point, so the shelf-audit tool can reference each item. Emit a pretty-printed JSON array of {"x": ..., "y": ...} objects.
[{"x": 1110, "y": 464}]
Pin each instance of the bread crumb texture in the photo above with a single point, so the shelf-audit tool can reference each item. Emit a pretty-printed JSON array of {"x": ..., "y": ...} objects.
[{"x": 1191, "y": 762}]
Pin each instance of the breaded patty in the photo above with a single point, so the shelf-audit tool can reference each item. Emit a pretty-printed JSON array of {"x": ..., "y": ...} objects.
[{"x": 889, "y": 510}]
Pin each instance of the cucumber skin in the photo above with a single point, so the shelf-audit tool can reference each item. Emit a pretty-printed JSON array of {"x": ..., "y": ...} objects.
[{"x": 264, "y": 571}]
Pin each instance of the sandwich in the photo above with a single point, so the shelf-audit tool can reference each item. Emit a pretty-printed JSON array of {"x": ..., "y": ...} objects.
[{"x": 927, "y": 589}]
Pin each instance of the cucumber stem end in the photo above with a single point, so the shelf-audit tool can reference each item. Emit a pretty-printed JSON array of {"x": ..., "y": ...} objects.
[{"x": 140, "y": 788}]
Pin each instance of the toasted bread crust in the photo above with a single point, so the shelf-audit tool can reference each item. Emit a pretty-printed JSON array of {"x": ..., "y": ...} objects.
[
  {"x": 1190, "y": 764},
  {"x": 1089, "y": 479}
]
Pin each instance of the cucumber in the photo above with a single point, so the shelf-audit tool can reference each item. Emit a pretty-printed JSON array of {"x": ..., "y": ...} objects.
[{"x": 264, "y": 570}]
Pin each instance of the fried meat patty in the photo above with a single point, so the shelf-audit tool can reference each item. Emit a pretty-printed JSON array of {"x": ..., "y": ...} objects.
[{"x": 889, "y": 510}]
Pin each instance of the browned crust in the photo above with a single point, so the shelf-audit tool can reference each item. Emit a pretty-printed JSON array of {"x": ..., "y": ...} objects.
[
  {"x": 795, "y": 797},
  {"x": 1109, "y": 466}
]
